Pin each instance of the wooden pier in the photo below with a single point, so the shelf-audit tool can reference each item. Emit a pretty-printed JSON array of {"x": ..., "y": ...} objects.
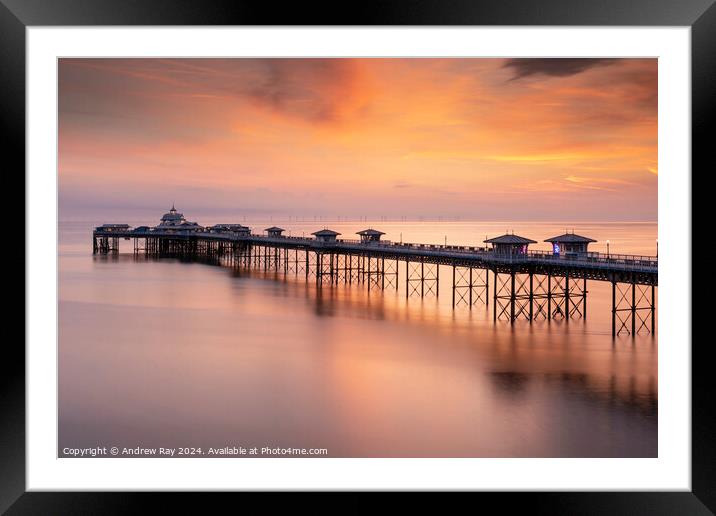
[{"x": 526, "y": 285}]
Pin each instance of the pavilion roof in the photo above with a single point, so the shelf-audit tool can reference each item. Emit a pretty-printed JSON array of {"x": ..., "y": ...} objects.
[
  {"x": 326, "y": 232},
  {"x": 570, "y": 238},
  {"x": 510, "y": 239}
]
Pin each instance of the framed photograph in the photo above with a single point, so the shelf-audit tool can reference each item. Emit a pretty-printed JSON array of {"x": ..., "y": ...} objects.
[{"x": 417, "y": 249}]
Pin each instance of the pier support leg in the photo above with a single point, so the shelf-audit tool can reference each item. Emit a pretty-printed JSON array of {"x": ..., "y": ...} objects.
[
  {"x": 437, "y": 280},
  {"x": 487, "y": 287},
  {"x": 332, "y": 268},
  {"x": 422, "y": 278},
  {"x": 350, "y": 269},
  {"x": 512, "y": 297},
  {"x": 494, "y": 300},
  {"x": 633, "y": 309},
  {"x": 584, "y": 292},
  {"x": 397, "y": 269},
  {"x": 566, "y": 297},
  {"x": 382, "y": 273},
  {"x": 453, "y": 286},
  {"x": 614, "y": 309},
  {"x": 653, "y": 310},
  {"x": 407, "y": 278},
  {"x": 319, "y": 268},
  {"x": 532, "y": 295},
  {"x": 549, "y": 296}
]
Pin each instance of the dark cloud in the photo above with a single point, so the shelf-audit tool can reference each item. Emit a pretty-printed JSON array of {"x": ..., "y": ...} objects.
[
  {"x": 311, "y": 89},
  {"x": 307, "y": 88},
  {"x": 553, "y": 67}
]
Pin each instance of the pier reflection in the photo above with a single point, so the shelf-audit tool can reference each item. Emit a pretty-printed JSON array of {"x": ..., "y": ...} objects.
[{"x": 541, "y": 345}]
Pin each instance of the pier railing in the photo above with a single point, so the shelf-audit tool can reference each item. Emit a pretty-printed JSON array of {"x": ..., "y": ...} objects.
[{"x": 607, "y": 260}]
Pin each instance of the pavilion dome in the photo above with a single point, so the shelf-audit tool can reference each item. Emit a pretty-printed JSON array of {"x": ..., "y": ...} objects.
[{"x": 173, "y": 217}]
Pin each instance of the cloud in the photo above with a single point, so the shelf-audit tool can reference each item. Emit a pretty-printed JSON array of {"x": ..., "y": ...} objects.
[
  {"x": 307, "y": 88},
  {"x": 598, "y": 183},
  {"x": 553, "y": 67}
]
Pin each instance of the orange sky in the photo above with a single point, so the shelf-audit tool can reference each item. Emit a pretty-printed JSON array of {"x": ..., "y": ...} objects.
[{"x": 492, "y": 139}]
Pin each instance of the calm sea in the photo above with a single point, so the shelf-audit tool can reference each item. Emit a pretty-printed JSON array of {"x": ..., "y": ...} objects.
[{"x": 181, "y": 355}]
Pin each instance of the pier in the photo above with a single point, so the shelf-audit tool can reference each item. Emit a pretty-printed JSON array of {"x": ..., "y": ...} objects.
[{"x": 520, "y": 284}]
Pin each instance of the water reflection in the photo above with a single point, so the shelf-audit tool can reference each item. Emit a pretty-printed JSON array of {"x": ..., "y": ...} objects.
[{"x": 509, "y": 383}]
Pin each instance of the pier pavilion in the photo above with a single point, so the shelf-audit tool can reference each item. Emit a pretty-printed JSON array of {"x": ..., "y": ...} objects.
[
  {"x": 171, "y": 218},
  {"x": 370, "y": 235},
  {"x": 570, "y": 245},
  {"x": 326, "y": 235},
  {"x": 510, "y": 244},
  {"x": 274, "y": 231},
  {"x": 174, "y": 221}
]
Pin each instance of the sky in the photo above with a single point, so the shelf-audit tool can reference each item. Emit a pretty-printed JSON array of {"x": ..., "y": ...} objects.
[{"x": 480, "y": 139}]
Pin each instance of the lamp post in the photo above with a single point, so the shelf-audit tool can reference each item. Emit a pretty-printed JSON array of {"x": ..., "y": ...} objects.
[{"x": 607, "y": 249}]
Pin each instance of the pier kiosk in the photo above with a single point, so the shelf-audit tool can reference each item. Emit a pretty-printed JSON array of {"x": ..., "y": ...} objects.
[
  {"x": 274, "y": 232},
  {"x": 370, "y": 235},
  {"x": 189, "y": 227},
  {"x": 570, "y": 245},
  {"x": 510, "y": 244},
  {"x": 113, "y": 228},
  {"x": 238, "y": 229},
  {"x": 326, "y": 235}
]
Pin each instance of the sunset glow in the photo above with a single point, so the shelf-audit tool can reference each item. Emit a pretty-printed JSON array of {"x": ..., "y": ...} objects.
[{"x": 492, "y": 139}]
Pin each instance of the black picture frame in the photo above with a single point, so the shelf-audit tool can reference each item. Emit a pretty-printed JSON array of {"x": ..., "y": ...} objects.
[{"x": 17, "y": 15}]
